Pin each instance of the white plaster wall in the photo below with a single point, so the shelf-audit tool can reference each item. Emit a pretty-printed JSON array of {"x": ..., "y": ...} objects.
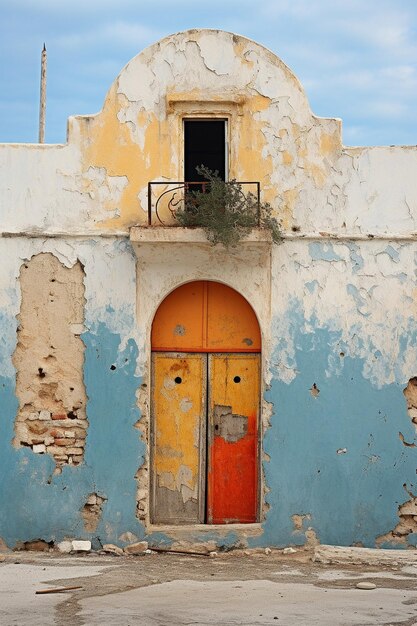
[
  {"x": 363, "y": 291},
  {"x": 172, "y": 261},
  {"x": 318, "y": 186},
  {"x": 110, "y": 279}
]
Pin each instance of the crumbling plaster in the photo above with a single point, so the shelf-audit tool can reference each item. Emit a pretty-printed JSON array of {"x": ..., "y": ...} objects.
[
  {"x": 363, "y": 290},
  {"x": 336, "y": 301},
  {"x": 49, "y": 359},
  {"x": 96, "y": 183}
]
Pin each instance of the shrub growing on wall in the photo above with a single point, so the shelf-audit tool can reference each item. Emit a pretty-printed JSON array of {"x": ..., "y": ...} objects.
[{"x": 225, "y": 211}]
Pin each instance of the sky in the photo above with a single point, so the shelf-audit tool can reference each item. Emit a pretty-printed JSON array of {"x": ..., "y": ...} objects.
[{"x": 357, "y": 59}]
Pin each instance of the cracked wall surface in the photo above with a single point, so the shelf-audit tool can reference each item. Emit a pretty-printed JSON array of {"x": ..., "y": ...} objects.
[
  {"x": 49, "y": 360},
  {"x": 406, "y": 529},
  {"x": 92, "y": 511},
  {"x": 336, "y": 303},
  {"x": 97, "y": 182}
]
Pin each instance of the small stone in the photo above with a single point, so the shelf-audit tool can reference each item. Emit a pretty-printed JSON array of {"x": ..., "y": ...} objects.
[
  {"x": 33, "y": 416},
  {"x": 39, "y": 448},
  {"x": 289, "y": 551},
  {"x": 44, "y": 415},
  {"x": 92, "y": 499},
  {"x": 70, "y": 434},
  {"x": 38, "y": 427},
  {"x": 268, "y": 551},
  {"x": 365, "y": 585},
  {"x": 128, "y": 537},
  {"x": 112, "y": 549},
  {"x": 148, "y": 551},
  {"x": 65, "y": 547},
  {"x": 213, "y": 555},
  {"x": 136, "y": 548},
  {"x": 81, "y": 546}
]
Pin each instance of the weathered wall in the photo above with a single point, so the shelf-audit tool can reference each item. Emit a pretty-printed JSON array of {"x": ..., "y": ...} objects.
[
  {"x": 37, "y": 502},
  {"x": 97, "y": 183},
  {"x": 49, "y": 360},
  {"x": 344, "y": 320},
  {"x": 336, "y": 304}
]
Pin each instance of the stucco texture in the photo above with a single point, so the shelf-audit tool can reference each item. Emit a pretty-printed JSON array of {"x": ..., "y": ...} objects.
[{"x": 336, "y": 301}]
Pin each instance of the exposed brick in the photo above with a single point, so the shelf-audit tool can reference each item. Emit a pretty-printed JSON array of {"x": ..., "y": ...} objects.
[
  {"x": 75, "y": 451},
  {"x": 57, "y": 434},
  {"x": 59, "y": 416},
  {"x": 64, "y": 442},
  {"x": 37, "y": 427},
  {"x": 56, "y": 450}
]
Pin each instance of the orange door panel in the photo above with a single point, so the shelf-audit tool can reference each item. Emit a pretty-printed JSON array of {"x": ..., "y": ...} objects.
[
  {"x": 180, "y": 320},
  {"x": 232, "y": 325},
  {"x": 233, "y": 427},
  {"x": 205, "y": 316},
  {"x": 178, "y": 437}
]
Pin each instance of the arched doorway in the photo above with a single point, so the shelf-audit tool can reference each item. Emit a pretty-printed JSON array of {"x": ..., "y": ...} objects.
[{"x": 206, "y": 346}]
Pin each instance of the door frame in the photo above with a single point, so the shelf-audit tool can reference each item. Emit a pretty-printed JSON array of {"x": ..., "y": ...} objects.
[{"x": 206, "y": 439}]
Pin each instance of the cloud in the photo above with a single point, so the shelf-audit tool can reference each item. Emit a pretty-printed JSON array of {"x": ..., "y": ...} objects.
[
  {"x": 118, "y": 33},
  {"x": 357, "y": 59}
]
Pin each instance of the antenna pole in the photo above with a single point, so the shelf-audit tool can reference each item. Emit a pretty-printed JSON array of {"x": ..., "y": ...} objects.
[{"x": 42, "y": 104}]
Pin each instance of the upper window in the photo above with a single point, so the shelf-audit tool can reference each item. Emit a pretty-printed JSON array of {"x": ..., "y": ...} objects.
[{"x": 204, "y": 144}]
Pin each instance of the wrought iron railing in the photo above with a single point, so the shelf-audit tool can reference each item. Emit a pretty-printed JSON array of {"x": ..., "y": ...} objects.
[{"x": 162, "y": 205}]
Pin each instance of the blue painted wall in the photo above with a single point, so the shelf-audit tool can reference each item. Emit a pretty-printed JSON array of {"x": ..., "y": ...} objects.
[
  {"x": 350, "y": 497},
  {"x": 36, "y": 504}
]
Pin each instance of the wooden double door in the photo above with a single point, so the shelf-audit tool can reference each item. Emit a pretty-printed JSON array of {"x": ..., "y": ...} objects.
[{"x": 205, "y": 437}]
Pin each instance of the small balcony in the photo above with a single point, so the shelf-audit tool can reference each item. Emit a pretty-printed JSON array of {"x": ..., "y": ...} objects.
[{"x": 165, "y": 198}]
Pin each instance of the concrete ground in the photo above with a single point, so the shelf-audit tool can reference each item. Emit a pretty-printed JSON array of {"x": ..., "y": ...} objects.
[{"x": 231, "y": 589}]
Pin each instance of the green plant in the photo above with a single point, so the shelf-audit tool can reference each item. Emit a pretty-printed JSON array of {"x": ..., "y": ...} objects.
[{"x": 224, "y": 211}]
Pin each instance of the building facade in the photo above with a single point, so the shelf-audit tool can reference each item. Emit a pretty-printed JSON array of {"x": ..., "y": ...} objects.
[{"x": 157, "y": 387}]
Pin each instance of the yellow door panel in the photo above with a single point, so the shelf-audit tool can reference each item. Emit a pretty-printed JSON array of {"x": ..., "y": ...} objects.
[{"x": 179, "y": 408}]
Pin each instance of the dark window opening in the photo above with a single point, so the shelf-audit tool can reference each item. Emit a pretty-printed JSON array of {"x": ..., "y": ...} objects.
[{"x": 204, "y": 144}]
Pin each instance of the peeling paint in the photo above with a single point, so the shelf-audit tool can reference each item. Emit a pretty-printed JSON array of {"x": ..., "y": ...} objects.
[
  {"x": 49, "y": 361},
  {"x": 336, "y": 304}
]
